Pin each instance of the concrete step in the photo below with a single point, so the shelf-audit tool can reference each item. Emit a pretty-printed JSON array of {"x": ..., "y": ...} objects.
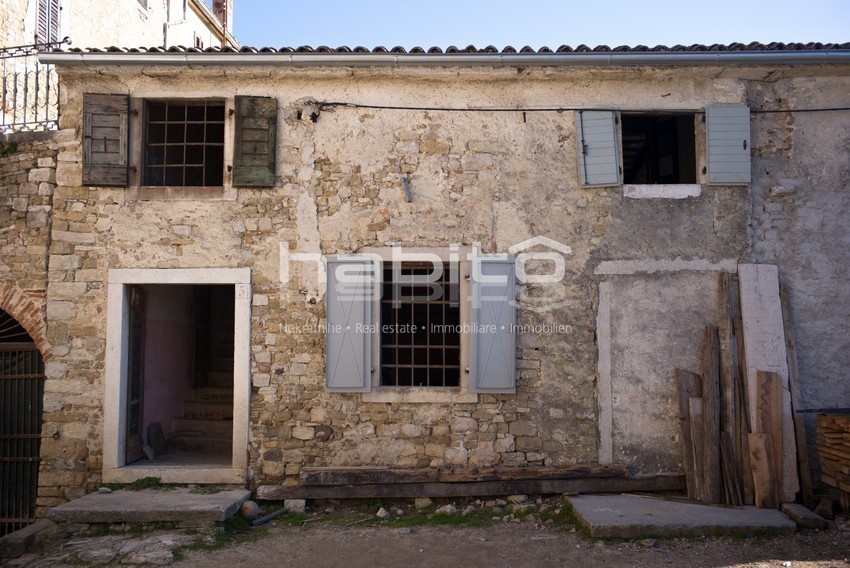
[
  {"x": 204, "y": 426},
  {"x": 199, "y": 443},
  {"x": 210, "y": 409},
  {"x": 149, "y": 506},
  {"x": 223, "y": 379},
  {"x": 221, "y": 394}
]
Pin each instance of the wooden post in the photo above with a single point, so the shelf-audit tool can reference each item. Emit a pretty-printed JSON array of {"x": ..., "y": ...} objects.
[
  {"x": 806, "y": 485},
  {"x": 695, "y": 410},
  {"x": 711, "y": 417},
  {"x": 764, "y": 476},
  {"x": 764, "y": 343},
  {"x": 769, "y": 418},
  {"x": 690, "y": 386}
]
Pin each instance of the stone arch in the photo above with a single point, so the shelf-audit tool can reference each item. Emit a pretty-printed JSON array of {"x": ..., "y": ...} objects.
[{"x": 29, "y": 310}]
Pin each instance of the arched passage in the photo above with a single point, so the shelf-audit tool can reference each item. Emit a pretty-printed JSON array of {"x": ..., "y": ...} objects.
[{"x": 21, "y": 407}]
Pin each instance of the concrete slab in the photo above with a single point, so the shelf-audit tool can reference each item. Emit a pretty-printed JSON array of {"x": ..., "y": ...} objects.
[
  {"x": 628, "y": 516},
  {"x": 18, "y": 543},
  {"x": 150, "y": 506}
]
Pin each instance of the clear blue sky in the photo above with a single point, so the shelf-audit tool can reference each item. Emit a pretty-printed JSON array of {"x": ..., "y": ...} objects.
[{"x": 370, "y": 23}]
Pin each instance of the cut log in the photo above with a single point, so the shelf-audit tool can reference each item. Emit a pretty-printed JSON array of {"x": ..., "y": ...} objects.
[
  {"x": 713, "y": 476},
  {"x": 764, "y": 347},
  {"x": 689, "y": 386},
  {"x": 769, "y": 416},
  {"x": 806, "y": 484},
  {"x": 764, "y": 477},
  {"x": 381, "y": 476},
  {"x": 695, "y": 410}
]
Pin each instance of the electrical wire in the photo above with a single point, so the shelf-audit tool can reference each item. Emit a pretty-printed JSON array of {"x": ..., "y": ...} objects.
[{"x": 335, "y": 104}]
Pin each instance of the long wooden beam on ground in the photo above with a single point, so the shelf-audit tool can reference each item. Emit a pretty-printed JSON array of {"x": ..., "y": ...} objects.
[
  {"x": 380, "y": 476},
  {"x": 674, "y": 482}
]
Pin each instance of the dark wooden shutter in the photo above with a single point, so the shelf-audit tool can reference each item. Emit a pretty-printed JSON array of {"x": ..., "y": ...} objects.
[
  {"x": 350, "y": 301},
  {"x": 256, "y": 134},
  {"x": 105, "y": 127},
  {"x": 492, "y": 346}
]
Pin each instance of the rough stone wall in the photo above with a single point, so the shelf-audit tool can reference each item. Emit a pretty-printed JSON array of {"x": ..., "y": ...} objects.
[
  {"x": 12, "y": 20},
  {"x": 492, "y": 178},
  {"x": 800, "y": 222}
]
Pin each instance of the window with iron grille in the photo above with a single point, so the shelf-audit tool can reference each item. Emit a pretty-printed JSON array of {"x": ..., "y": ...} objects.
[
  {"x": 184, "y": 143},
  {"x": 420, "y": 326}
]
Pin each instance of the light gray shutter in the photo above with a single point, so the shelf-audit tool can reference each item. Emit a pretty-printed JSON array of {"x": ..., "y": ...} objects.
[
  {"x": 105, "y": 125},
  {"x": 598, "y": 148},
  {"x": 492, "y": 345},
  {"x": 256, "y": 135},
  {"x": 350, "y": 300},
  {"x": 728, "y": 142}
]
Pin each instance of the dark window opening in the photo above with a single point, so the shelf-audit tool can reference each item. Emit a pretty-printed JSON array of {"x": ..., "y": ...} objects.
[
  {"x": 184, "y": 144},
  {"x": 659, "y": 149},
  {"x": 420, "y": 326}
]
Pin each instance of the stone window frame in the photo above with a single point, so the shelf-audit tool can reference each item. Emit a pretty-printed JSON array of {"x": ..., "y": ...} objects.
[
  {"x": 455, "y": 395},
  {"x": 137, "y": 191},
  {"x": 115, "y": 470}
]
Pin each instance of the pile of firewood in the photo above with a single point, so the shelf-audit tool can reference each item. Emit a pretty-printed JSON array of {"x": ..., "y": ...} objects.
[
  {"x": 742, "y": 443},
  {"x": 834, "y": 448}
]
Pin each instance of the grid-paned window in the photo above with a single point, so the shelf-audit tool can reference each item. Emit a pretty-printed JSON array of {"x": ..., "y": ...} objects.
[
  {"x": 420, "y": 326},
  {"x": 184, "y": 143}
]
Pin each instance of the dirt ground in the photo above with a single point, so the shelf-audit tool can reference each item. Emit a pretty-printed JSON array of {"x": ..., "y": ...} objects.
[{"x": 514, "y": 545}]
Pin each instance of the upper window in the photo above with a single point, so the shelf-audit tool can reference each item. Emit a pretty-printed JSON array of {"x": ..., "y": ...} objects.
[
  {"x": 661, "y": 148},
  {"x": 184, "y": 143},
  {"x": 179, "y": 143}
]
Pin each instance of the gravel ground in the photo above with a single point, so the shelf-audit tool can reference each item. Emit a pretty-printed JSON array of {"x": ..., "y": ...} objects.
[
  {"x": 353, "y": 537},
  {"x": 515, "y": 545}
]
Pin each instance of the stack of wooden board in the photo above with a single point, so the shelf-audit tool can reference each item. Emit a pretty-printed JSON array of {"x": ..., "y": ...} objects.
[
  {"x": 740, "y": 438},
  {"x": 834, "y": 447}
]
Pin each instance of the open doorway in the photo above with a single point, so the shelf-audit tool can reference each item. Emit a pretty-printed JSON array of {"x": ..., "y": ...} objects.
[
  {"x": 177, "y": 370},
  {"x": 180, "y": 374}
]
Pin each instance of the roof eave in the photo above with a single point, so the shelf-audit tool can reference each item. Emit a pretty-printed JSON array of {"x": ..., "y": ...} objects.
[{"x": 449, "y": 60}]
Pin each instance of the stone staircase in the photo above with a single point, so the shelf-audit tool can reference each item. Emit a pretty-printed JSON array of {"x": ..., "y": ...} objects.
[{"x": 206, "y": 426}]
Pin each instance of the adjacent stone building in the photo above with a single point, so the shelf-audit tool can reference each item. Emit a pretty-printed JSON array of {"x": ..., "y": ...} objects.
[{"x": 176, "y": 233}]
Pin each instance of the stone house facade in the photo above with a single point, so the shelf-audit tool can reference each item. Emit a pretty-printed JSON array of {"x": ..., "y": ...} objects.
[
  {"x": 90, "y": 23},
  {"x": 167, "y": 238}
]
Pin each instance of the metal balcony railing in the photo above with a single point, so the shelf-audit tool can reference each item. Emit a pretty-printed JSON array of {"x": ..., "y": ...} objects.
[{"x": 30, "y": 90}]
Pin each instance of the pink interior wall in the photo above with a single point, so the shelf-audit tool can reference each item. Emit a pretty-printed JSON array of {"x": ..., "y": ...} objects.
[{"x": 169, "y": 345}]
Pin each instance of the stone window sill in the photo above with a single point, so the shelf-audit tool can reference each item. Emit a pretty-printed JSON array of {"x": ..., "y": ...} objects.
[
  {"x": 420, "y": 395},
  {"x": 662, "y": 191},
  {"x": 157, "y": 193}
]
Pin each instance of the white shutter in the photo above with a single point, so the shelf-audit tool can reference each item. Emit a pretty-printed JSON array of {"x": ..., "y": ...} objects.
[
  {"x": 598, "y": 148},
  {"x": 350, "y": 300},
  {"x": 728, "y": 142},
  {"x": 492, "y": 345}
]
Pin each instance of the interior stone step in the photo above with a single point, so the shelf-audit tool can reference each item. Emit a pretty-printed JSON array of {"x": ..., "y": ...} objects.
[
  {"x": 214, "y": 393},
  {"x": 222, "y": 364},
  {"x": 210, "y": 409},
  {"x": 199, "y": 443},
  {"x": 220, "y": 379},
  {"x": 204, "y": 426}
]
